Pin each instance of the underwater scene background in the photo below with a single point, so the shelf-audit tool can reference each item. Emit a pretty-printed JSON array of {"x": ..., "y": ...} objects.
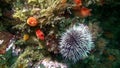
[{"x": 59, "y": 33}]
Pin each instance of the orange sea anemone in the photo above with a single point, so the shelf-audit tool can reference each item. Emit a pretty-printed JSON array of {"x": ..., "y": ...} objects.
[
  {"x": 40, "y": 34},
  {"x": 78, "y": 2},
  {"x": 32, "y": 21},
  {"x": 25, "y": 37},
  {"x": 85, "y": 12}
]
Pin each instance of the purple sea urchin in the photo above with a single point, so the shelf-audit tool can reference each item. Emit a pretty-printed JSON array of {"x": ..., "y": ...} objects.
[{"x": 76, "y": 42}]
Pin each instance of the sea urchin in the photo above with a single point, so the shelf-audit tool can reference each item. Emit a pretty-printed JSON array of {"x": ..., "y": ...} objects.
[{"x": 76, "y": 43}]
